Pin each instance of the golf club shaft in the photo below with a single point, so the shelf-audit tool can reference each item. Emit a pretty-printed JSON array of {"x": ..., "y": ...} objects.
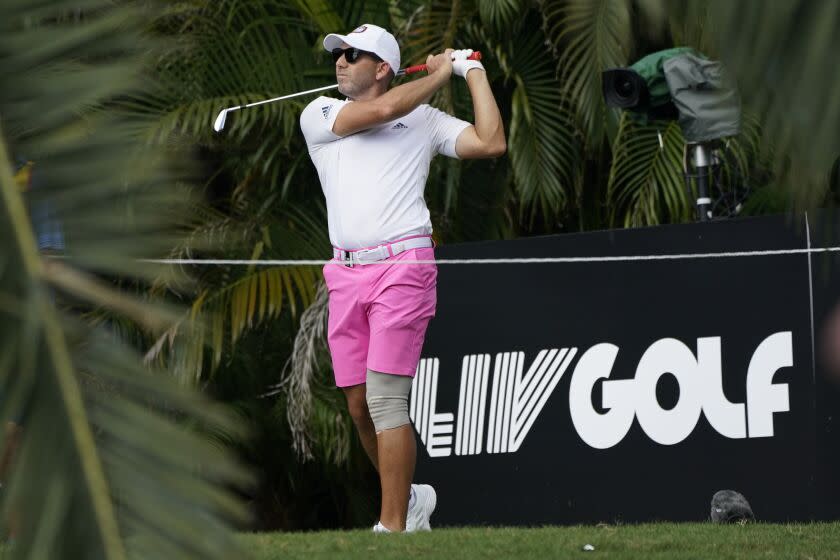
[
  {"x": 219, "y": 123},
  {"x": 283, "y": 97}
]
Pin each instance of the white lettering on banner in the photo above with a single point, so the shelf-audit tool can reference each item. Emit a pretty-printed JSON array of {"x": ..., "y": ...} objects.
[
  {"x": 600, "y": 430},
  {"x": 516, "y": 400},
  {"x": 700, "y": 382},
  {"x": 435, "y": 428},
  {"x": 701, "y": 389},
  {"x": 763, "y": 396},
  {"x": 474, "y": 372}
]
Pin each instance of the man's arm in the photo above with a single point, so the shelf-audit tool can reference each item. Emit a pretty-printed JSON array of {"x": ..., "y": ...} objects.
[
  {"x": 486, "y": 138},
  {"x": 396, "y": 102}
]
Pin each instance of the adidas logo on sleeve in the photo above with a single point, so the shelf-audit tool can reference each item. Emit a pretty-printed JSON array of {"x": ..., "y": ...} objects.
[
  {"x": 326, "y": 110},
  {"x": 398, "y": 126}
]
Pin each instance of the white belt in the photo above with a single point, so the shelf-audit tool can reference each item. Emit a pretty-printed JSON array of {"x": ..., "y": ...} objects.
[{"x": 382, "y": 252}]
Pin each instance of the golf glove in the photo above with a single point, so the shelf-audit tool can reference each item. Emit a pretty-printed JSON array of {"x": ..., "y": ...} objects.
[{"x": 460, "y": 64}]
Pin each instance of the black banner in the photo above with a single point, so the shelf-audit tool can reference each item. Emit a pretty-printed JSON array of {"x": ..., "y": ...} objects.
[{"x": 631, "y": 389}]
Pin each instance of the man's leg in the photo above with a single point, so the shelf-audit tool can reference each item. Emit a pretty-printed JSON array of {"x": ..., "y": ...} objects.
[
  {"x": 402, "y": 301},
  {"x": 397, "y": 457},
  {"x": 357, "y": 404},
  {"x": 387, "y": 397}
]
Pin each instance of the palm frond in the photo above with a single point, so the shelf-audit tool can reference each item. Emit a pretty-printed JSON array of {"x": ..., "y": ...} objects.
[
  {"x": 297, "y": 381},
  {"x": 218, "y": 318},
  {"x": 744, "y": 166},
  {"x": 432, "y": 28},
  {"x": 689, "y": 22},
  {"x": 646, "y": 184},
  {"x": 500, "y": 15},
  {"x": 323, "y": 14},
  {"x": 590, "y": 37},
  {"x": 234, "y": 53},
  {"x": 357, "y": 12},
  {"x": 107, "y": 467},
  {"x": 235, "y": 300},
  {"x": 785, "y": 67},
  {"x": 543, "y": 145}
]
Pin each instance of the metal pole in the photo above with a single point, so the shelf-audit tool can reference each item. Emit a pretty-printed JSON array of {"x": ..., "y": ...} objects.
[{"x": 702, "y": 162}]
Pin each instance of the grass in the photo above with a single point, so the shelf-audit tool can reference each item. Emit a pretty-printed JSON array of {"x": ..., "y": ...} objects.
[{"x": 651, "y": 541}]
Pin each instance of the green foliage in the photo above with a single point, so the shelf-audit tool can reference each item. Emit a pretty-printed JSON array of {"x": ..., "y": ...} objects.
[
  {"x": 644, "y": 184},
  {"x": 116, "y": 460},
  {"x": 785, "y": 64},
  {"x": 499, "y": 16},
  {"x": 336, "y": 486},
  {"x": 590, "y": 36},
  {"x": 544, "y": 150}
]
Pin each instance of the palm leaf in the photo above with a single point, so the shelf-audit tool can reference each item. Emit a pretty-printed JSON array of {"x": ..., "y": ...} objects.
[
  {"x": 784, "y": 62},
  {"x": 646, "y": 185},
  {"x": 500, "y": 15},
  {"x": 323, "y": 14},
  {"x": 235, "y": 53},
  {"x": 101, "y": 430},
  {"x": 217, "y": 319},
  {"x": 543, "y": 146},
  {"x": 691, "y": 24},
  {"x": 590, "y": 36},
  {"x": 298, "y": 378},
  {"x": 743, "y": 169},
  {"x": 432, "y": 28},
  {"x": 237, "y": 300}
]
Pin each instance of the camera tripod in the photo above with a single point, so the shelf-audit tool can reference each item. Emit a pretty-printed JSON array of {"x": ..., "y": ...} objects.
[{"x": 721, "y": 189}]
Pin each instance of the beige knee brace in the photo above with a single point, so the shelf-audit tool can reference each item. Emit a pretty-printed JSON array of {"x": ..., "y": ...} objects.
[{"x": 387, "y": 398}]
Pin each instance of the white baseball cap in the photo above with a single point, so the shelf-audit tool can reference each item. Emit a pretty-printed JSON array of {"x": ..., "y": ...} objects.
[{"x": 371, "y": 38}]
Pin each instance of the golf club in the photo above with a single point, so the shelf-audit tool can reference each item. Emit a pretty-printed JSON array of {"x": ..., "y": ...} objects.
[{"x": 219, "y": 123}]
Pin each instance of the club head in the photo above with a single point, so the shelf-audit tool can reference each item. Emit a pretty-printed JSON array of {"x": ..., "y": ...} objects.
[{"x": 219, "y": 124}]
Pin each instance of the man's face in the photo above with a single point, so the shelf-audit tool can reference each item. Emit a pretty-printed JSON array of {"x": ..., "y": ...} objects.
[{"x": 353, "y": 79}]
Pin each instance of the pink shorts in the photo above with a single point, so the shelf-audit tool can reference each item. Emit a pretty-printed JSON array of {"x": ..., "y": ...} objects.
[{"x": 378, "y": 315}]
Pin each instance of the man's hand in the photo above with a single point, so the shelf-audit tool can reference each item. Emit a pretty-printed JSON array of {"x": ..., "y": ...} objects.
[
  {"x": 461, "y": 65},
  {"x": 440, "y": 63}
]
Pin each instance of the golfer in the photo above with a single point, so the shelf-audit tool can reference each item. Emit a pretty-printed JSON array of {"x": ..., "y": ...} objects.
[{"x": 372, "y": 152}]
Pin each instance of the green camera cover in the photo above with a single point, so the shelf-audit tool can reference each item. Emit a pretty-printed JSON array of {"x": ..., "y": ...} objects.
[
  {"x": 650, "y": 68},
  {"x": 706, "y": 102}
]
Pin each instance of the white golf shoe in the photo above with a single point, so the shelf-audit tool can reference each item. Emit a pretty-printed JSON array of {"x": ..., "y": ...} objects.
[
  {"x": 425, "y": 500},
  {"x": 380, "y": 528}
]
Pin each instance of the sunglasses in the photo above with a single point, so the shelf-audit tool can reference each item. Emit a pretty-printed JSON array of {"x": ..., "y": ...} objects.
[{"x": 352, "y": 55}]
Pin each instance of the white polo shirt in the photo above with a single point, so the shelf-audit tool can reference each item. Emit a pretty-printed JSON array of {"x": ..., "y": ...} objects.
[{"x": 374, "y": 180}]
